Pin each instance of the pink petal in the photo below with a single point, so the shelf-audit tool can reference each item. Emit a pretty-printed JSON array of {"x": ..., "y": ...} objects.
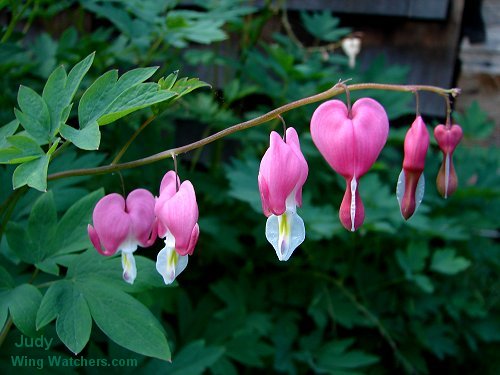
[
  {"x": 168, "y": 184},
  {"x": 179, "y": 215},
  {"x": 264, "y": 195},
  {"x": 352, "y": 211},
  {"x": 371, "y": 129},
  {"x": 192, "y": 242},
  {"x": 448, "y": 137},
  {"x": 94, "y": 238},
  {"x": 111, "y": 224},
  {"x": 350, "y": 146},
  {"x": 281, "y": 169},
  {"x": 168, "y": 189},
  {"x": 415, "y": 146},
  {"x": 292, "y": 139},
  {"x": 140, "y": 205}
]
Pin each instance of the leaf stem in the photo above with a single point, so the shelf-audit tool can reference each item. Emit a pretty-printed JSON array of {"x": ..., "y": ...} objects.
[
  {"x": 132, "y": 138},
  {"x": 13, "y": 22},
  {"x": 333, "y": 91}
]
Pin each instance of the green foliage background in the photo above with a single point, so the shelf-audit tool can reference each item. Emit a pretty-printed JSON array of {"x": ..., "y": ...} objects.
[{"x": 418, "y": 297}]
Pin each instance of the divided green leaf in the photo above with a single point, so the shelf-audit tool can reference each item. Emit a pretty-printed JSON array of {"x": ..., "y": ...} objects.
[{"x": 445, "y": 261}]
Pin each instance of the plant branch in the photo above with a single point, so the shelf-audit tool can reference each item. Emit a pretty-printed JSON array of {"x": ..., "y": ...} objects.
[
  {"x": 132, "y": 138},
  {"x": 333, "y": 91},
  {"x": 13, "y": 22}
]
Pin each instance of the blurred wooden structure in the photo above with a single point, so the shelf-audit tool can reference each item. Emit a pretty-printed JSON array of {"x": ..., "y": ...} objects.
[{"x": 422, "y": 34}]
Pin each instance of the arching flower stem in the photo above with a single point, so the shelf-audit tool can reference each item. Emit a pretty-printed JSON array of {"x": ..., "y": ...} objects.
[{"x": 332, "y": 92}]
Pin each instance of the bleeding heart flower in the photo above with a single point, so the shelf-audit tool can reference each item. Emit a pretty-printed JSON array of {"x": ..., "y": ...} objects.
[
  {"x": 447, "y": 137},
  {"x": 177, "y": 213},
  {"x": 411, "y": 181},
  {"x": 123, "y": 225},
  {"x": 351, "y": 47},
  {"x": 350, "y": 141},
  {"x": 282, "y": 173}
]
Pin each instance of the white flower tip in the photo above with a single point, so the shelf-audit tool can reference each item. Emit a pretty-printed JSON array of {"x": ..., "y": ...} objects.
[
  {"x": 170, "y": 264},
  {"x": 129, "y": 268},
  {"x": 285, "y": 232}
]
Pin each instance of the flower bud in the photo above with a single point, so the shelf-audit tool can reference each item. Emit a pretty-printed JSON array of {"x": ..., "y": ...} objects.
[
  {"x": 447, "y": 138},
  {"x": 411, "y": 182}
]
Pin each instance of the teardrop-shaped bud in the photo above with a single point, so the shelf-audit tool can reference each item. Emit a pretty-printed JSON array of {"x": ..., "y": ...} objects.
[
  {"x": 447, "y": 138},
  {"x": 410, "y": 187}
]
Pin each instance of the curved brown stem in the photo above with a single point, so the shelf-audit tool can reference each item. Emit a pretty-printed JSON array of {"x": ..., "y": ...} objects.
[{"x": 333, "y": 91}]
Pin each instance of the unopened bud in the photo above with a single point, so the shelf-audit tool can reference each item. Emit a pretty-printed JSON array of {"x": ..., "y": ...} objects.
[{"x": 447, "y": 138}]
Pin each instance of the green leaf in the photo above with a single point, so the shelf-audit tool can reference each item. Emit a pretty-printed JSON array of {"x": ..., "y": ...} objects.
[
  {"x": 168, "y": 82},
  {"x": 71, "y": 234},
  {"x": 35, "y": 116},
  {"x": 242, "y": 182},
  {"x": 97, "y": 98},
  {"x": 248, "y": 349},
  {"x": 24, "y": 302},
  {"x": 51, "y": 303},
  {"x": 21, "y": 149},
  {"x": 194, "y": 359},
  {"x": 109, "y": 99},
  {"x": 475, "y": 122},
  {"x": 42, "y": 223},
  {"x": 34, "y": 244},
  {"x": 413, "y": 259},
  {"x": 186, "y": 85},
  {"x": 6, "y": 131},
  {"x": 335, "y": 356},
  {"x": 55, "y": 96},
  {"x": 76, "y": 75},
  {"x": 445, "y": 261},
  {"x": 180, "y": 88},
  {"x": 105, "y": 90},
  {"x": 133, "y": 99},
  {"x": 423, "y": 283},
  {"x": 324, "y": 26},
  {"x": 6, "y": 281},
  {"x": 88, "y": 138},
  {"x": 32, "y": 173},
  {"x": 126, "y": 321},
  {"x": 91, "y": 266},
  {"x": 74, "y": 323},
  {"x": 66, "y": 301}
]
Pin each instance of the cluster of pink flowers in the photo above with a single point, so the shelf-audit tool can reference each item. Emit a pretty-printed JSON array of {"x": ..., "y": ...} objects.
[
  {"x": 122, "y": 225},
  {"x": 350, "y": 140}
]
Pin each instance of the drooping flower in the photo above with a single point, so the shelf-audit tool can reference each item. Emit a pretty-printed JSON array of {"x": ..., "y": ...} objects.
[
  {"x": 447, "y": 137},
  {"x": 350, "y": 141},
  {"x": 282, "y": 173},
  {"x": 411, "y": 181},
  {"x": 123, "y": 225},
  {"x": 177, "y": 213},
  {"x": 351, "y": 47}
]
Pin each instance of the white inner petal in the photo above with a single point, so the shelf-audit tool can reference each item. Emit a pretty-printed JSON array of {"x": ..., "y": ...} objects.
[
  {"x": 170, "y": 264},
  {"x": 129, "y": 268},
  {"x": 400, "y": 187},
  {"x": 285, "y": 232},
  {"x": 446, "y": 174},
  {"x": 419, "y": 192},
  {"x": 291, "y": 204},
  {"x": 354, "y": 185}
]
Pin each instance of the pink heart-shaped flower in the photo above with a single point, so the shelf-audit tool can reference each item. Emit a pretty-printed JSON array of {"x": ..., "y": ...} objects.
[{"x": 350, "y": 142}]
